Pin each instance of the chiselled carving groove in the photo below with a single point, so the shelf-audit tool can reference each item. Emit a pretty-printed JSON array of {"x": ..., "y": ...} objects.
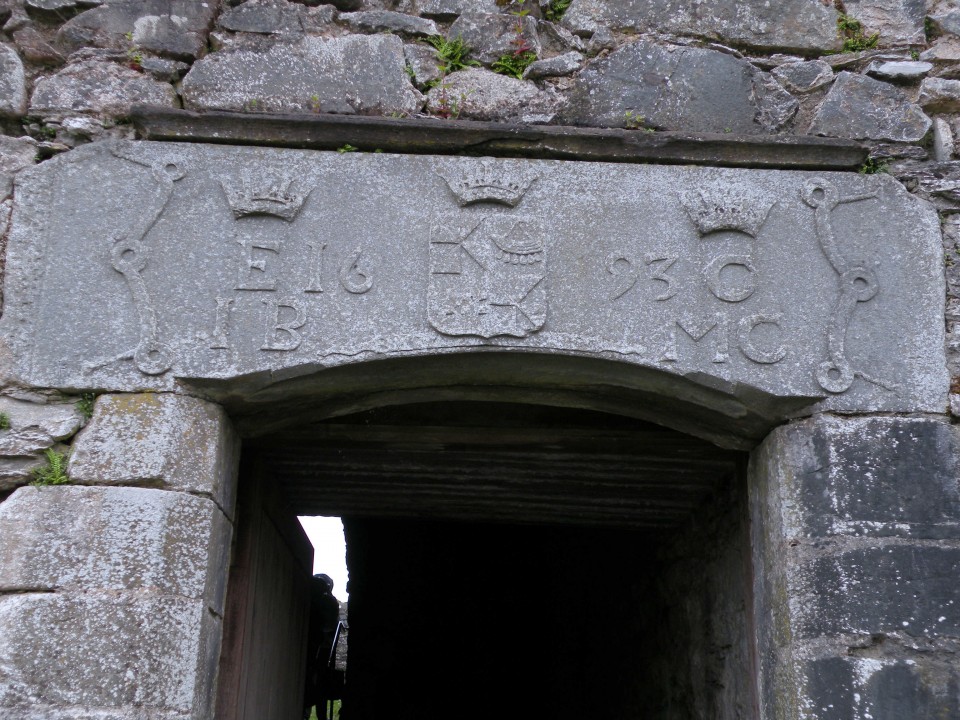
[
  {"x": 856, "y": 283},
  {"x": 130, "y": 256},
  {"x": 487, "y": 270}
]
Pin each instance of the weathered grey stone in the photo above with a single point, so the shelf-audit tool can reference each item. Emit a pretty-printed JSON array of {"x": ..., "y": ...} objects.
[
  {"x": 423, "y": 63},
  {"x": 943, "y": 49},
  {"x": 112, "y": 539},
  {"x": 875, "y": 682},
  {"x": 480, "y": 94},
  {"x": 940, "y": 95},
  {"x": 160, "y": 440},
  {"x": 899, "y": 70},
  {"x": 943, "y": 145},
  {"x": 345, "y": 5},
  {"x": 318, "y": 19},
  {"x": 13, "y": 83},
  {"x": 490, "y": 36},
  {"x": 775, "y": 106},
  {"x": 899, "y": 22},
  {"x": 352, "y": 74},
  {"x": 163, "y": 69},
  {"x": 780, "y": 325},
  {"x": 892, "y": 588},
  {"x": 450, "y": 8},
  {"x": 58, "y": 7},
  {"x": 557, "y": 40},
  {"x": 389, "y": 21},
  {"x": 804, "y": 76},
  {"x": 558, "y": 66},
  {"x": 262, "y": 16},
  {"x": 33, "y": 428},
  {"x": 34, "y": 48},
  {"x": 674, "y": 88},
  {"x": 869, "y": 477},
  {"x": 15, "y": 155},
  {"x": 18, "y": 471},
  {"x": 172, "y": 28},
  {"x": 864, "y": 108},
  {"x": 98, "y": 653},
  {"x": 802, "y": 25},
  {"x": 97, "y": 87},
  {"x": 939, "y": 183}
]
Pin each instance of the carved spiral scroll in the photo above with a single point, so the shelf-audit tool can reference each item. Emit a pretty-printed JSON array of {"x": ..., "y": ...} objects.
[
  {"x": 129, "y": 257},
  {"x": 856, "y": 283}
]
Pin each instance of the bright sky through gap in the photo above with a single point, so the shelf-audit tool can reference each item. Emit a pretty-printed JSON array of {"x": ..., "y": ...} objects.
[{"x": 329, "y": 550}]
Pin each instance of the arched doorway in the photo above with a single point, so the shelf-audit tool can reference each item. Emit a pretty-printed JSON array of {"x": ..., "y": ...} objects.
[{"x": 507, "y": 559}]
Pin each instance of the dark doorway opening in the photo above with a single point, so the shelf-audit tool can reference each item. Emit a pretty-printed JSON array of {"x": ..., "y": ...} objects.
[{"x": 521, "y": 561}]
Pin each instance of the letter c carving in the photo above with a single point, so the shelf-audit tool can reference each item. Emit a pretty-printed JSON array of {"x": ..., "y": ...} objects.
[{"x": 758, "y": 355}]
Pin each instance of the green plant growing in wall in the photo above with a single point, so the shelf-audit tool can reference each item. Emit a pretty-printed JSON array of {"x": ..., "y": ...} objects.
[
  {"x": 635, "y": 121},
  {"x": 346, "y": 149},
  {"x": 134, "y": 54},
  {"x": 555, "y": 10},
  {"x": 851, "y": 30},
  {"x": 452, "y": 54},
  {"x": 85, "y": 405},
  {"x": 54, "y": 472},
  {"x": 872, "y": 166},
  {"x": 4, "y": 421},
  {"x": 520, "y": 56}
]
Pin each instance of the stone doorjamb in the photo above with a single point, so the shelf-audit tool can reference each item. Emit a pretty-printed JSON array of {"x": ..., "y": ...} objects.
[
  {"x": 120, "y": 577},
  {"x": 114, "y": 585}
]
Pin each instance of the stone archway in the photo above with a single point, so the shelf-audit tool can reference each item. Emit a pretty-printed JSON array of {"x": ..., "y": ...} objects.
[{"x": 219, "y": 292}]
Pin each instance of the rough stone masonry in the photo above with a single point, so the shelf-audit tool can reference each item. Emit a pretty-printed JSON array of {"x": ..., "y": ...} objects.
[{"x": 161, "y": 291}]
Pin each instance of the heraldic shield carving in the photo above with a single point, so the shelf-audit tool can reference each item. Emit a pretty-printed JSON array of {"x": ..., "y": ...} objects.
[{"x": 487, "y": 265}]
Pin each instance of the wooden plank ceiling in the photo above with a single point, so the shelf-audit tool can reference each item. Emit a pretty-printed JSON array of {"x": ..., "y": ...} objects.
[{"x": 494, "y": 462}]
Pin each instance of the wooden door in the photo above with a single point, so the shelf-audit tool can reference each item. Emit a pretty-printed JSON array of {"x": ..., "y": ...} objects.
[{"x": 265, "y": 623}]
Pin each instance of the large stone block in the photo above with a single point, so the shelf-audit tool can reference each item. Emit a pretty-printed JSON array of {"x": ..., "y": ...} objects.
[
  {"x": 803, "y": 25},
  {"x": 740, "y": 298},
  {"x": 32, "y": 427},
  {"x": 362, "y": 74},
  {"x": 98, "y": 87},
  {"x": 678, "y": 88},
  {"x": 106, "y": 655},
  {"x": 96, "y": 539},
  {"x": 860, "y": 107},
  {"x": 13, "y": 83},
  {"x": 160, "y": 440},
  {"x": 869, "y": 476},
  {"x": 173, "y": 28},
  {"x": 880, "y": 688},
  {"x": 910, "y": 589}
]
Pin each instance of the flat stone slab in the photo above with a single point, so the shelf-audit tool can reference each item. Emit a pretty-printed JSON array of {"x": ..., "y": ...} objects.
[
  {"x": 99, "y": 654},
  {"x": 750, "y": 294},
  {"x": 802, "y": 25},
  {"x": 114, "y": 539}
]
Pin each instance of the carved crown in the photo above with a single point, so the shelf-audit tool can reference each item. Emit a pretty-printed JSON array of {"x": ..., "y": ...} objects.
[
  {"x": 490, "y": 182},
  {"x": 256, "y": 197},
  {"x": 721, "y": 208}
]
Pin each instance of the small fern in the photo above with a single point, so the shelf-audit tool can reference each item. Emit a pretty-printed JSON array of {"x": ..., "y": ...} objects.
[
  {"x": 54, "y": 472},
  {"x": 555, "y": 10},
  {"x": 452, "y": 54}
]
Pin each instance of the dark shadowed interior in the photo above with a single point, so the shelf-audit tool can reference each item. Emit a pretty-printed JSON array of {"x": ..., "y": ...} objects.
[{"x": 521, "y": 561}]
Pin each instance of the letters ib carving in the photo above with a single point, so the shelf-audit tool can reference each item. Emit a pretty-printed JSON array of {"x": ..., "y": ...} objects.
[{"x": 487, "y": 268}]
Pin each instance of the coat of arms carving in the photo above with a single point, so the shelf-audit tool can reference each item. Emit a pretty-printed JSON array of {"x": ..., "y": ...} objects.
[{"x": 488, "y": 266}]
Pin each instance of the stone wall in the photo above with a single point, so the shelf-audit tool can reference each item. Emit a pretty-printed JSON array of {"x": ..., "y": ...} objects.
[{"x": 886, "y": 72}]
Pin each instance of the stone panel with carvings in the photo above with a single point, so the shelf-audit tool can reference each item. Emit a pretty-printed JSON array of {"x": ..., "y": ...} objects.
[{"x": 140, "y": 265}]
